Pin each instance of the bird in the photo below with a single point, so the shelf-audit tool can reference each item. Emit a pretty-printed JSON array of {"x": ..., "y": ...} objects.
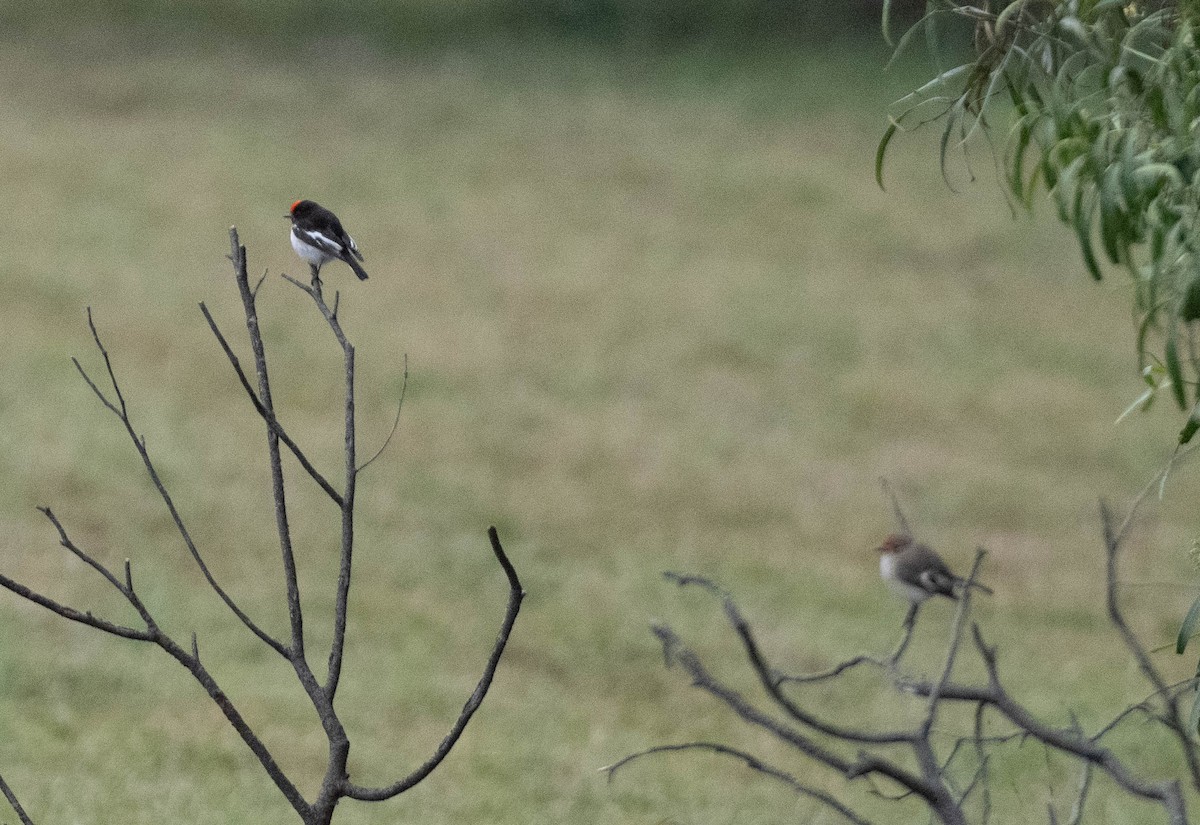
[
  {"x": 917, "y": 572},
  {"x": 318, "y": 236}
]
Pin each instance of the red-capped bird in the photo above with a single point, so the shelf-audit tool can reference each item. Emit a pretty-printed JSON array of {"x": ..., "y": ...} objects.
[
  {"x": 917, "y": 572},
  {"x": 318, "y": 236}
]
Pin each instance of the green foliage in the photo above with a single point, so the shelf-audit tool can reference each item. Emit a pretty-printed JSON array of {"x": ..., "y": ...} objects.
[
  {"x": 1096, "y": 103},
  {"x": 1101, "y": 110}
]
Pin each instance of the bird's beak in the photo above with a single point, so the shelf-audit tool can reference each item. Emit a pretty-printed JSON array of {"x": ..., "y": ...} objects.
[{"x": 288, "y": 217}]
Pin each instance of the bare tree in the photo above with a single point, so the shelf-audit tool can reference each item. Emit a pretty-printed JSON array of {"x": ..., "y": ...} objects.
[
  {"x": 337, "y": 783},
  {"x": 921, "y": 759}
]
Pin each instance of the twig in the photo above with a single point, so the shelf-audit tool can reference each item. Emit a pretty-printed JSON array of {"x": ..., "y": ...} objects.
[
  {"x": 515, "y": 594},
  {"x": 278, "y": 493},
  {"x": 268, "y": 415},
  {"x": 960, "y": 617},
  {"x": 984, "y": 762},
  {"x": 752, "y": 762},
  {"x": 864, "y": 765},
  {"x": 153, "y": 633},
  {"x": 395, "y": 423},
  {"x": 139, "y": 444},
  {"x": 1166, "y": 793},
  {"x": 901, "y": 521},
  {"x": 1172, "y": 716},
  {"x": 771, "y": 683},
  {"x": 16, "y": 805},
  {"x": 1085, "y": 784}
]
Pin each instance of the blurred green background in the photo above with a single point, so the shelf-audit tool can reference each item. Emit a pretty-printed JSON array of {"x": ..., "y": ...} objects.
[{"x": 657, "y": 316}]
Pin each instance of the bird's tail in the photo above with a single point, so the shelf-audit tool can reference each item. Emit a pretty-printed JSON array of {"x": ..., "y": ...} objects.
[{"x": 357, "y": 267}]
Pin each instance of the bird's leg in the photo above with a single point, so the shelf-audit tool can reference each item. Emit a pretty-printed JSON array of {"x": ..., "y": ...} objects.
[{"x": 316, "y": 275}]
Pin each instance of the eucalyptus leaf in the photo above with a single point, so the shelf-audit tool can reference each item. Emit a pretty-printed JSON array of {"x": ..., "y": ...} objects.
[{"x": 1188, "y": 628}]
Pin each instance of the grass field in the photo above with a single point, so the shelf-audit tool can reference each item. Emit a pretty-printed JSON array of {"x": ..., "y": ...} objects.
[{"x": 657, "y": 316}]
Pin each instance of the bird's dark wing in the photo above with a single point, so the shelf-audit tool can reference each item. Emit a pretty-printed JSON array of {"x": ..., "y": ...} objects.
[
  {"x": 314, "y": 237},
  {"x": 940, "y": 581}
]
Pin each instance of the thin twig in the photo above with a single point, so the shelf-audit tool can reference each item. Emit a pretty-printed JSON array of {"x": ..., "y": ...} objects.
[
  {"x": 139, "y": 444},
  {"x": 12, "y": 800},
  {"x": 863, "y": 766},
  {"x": 771, "y": 683},
  {"x": 1143, "y": 706},
  {"x": 752, "y": 762},
  {"x": 901, "y": 521},
  {"x": 1172, "y": 715},
  {"x": 1085, "y": 784},
  {"x": 515, "y": 594},
  {"x": 395, "y": 423},
  {"x": 956, "y": 633},
  {"x": 341, "y": 606},
  {"x": 984, "y": 763},
  {"x": 268, "y": 415},
  {"x": 295, "y": 652},
  {"x": 1166, "y": 793}
]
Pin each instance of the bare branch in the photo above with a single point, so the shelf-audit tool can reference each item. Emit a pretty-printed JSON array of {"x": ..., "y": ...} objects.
[
  {"x": 71, "y": 613},
  {"x": 86, "y": 558},
  {"x": 395, "y": 423},
  {"x": 829, "y": 673},
  {"x": 897, "y": 511},
  {"x": 235, "y": 718},
  {"x": 960, "y": 616},
  {"x": 865, "y": 764},
  {"x": 12, "y": 800},
  {"x": 771, "y": 683},
  {"x": 336, "y": 784},
  {"x": 752, "y": 762},
  {"x": 268, "y": 416},
  {"x": 1172, "y": 715},
  {"x": 152, "y": 633},
  {"x": 1085, "y": 784},
  {"x": 1070, "y": 741},
  {"x": 139, "y": 444},
  {"x": 938, "y": 783},
  {"x": 292, "y": 582},
  {"x": 515, "y": 594}
]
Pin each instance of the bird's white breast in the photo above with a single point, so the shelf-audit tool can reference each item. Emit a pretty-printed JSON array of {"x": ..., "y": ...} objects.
[
  {"x": 307, "y": 251},
  {"x": 887, "y": 569}
]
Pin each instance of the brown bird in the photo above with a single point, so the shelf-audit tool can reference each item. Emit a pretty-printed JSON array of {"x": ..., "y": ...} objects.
[{"x": 917, "y": 572}]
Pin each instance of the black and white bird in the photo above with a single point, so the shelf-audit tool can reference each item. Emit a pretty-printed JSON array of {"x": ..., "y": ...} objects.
[
  {"x": 917, "y": 572},
  {"x": 318, "y": 236}
]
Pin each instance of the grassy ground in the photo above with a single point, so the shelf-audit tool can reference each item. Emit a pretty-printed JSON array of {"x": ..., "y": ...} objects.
[{"x": 658, "y": 316}]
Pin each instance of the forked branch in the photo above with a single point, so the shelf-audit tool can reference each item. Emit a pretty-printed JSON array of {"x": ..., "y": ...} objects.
[
  {"x": 336, "y": 784},
  {"x": 945, "y": 786}
]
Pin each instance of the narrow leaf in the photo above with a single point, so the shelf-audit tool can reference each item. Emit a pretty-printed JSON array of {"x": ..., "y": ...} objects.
[
  {"x": 881, "y": 151},
  {"x": 1188, "y": 627},
  {"x": 1175, "y": 370}
]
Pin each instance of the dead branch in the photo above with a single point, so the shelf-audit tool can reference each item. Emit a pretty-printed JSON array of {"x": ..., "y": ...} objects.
[
  {"x": 1171, "y": 714},
  {"x": 12, "y": 800},
  {"x": 336, "y": 784},
  {"x": 943, "y": 785},
  {"x": 515, "y": 594},
  {"x": 752, "y": 762}
]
